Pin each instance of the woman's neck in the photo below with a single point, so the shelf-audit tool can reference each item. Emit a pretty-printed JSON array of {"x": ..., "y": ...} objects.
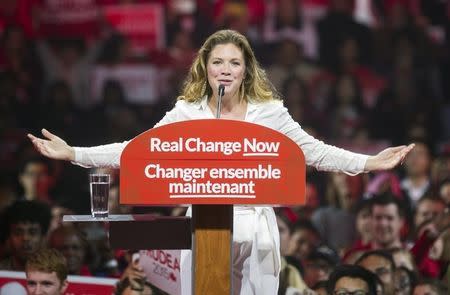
[{"x": 231, "y": 108}]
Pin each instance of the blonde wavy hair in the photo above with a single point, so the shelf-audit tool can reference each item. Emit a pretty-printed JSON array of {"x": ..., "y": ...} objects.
[{"x": 255, "y": 85}]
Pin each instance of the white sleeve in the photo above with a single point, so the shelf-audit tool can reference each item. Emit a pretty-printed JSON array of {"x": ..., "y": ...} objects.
[
  {"x": 318, "y": 154},
  {"x": 108, "y": 155}
]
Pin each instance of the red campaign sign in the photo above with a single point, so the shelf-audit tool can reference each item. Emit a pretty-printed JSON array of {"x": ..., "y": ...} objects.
[
  {"x": 212, "y": 162},
  {"x": 78, "y": 285},
  {"x": 142, "y": 24},
  {"x": 74, "y": 18}
]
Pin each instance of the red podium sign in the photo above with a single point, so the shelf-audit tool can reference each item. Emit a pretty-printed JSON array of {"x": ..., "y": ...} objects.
[{"x": 212, "y": 162}]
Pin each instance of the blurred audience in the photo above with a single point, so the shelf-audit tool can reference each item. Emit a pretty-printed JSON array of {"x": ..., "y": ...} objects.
[
  {"x": 427, "y": 208},
  {"x": 352, "y": 279},
  {"x": 417, "y": 167},
  {"x": 403, "y": 258},
  {"x": 431, "y": 287},
  {"x": 381, "y": 263},
  {"x": 36, "y": 179},
  {"x": 24, "y": 228},
  {"x": 304, "y": 238},
  {"x": 73, "y": 245},
  {"x": 319, "y": 265},
  {"x": 290, "y": 276},
  {"x": 338, "y": 210},
  {"x": 404, "y": 281}
]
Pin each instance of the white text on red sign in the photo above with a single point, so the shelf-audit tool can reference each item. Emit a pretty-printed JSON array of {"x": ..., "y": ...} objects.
[{"x": 248, "y": 147}]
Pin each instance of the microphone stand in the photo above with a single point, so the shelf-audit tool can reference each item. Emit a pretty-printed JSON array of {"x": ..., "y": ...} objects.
[{"x": 212, "y": 227}]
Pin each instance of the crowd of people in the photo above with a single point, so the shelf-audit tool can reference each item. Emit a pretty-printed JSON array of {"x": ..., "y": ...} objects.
[{"x": 362, "y": 79}]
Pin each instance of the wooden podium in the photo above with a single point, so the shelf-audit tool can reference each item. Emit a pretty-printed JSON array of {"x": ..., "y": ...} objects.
[{"x": 211, "y": 165}]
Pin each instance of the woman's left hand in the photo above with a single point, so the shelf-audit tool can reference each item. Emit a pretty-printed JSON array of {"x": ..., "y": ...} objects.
[{"x": 388, "y": 158}]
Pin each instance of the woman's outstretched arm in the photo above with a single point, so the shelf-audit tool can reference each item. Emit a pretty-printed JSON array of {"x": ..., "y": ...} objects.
[{"x": 54, "y": 147}]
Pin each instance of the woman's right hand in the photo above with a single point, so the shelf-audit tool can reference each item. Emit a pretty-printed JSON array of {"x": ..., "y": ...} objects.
[{"x": 53, "y": 146}]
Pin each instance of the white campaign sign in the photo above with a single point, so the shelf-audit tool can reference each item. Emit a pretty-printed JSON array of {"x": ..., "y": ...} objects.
[
  {"x": 140, "y": 82},
  {"x": 162, "y": 268}
]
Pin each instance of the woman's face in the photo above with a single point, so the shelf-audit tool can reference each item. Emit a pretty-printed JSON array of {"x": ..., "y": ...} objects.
[{"x": 226, "y": 66}]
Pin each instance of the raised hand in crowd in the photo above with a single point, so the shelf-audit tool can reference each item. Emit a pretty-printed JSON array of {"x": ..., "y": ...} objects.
[
  {"x": 132, "y": 281},
  {"x": 438, "y": 225}
]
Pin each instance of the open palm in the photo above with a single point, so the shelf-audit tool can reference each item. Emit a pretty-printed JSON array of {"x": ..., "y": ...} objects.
[
  {"x": 52, "y": 146},
  {"x": 388, "y": 158}
]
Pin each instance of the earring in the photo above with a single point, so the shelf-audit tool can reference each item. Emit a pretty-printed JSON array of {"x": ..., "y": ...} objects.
[
  {"x": 203, "y": 91},
  {"x": 242, "y": 90}
]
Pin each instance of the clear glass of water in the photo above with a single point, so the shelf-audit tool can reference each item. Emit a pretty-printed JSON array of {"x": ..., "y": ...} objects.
[{"x": 99, "y": 186}]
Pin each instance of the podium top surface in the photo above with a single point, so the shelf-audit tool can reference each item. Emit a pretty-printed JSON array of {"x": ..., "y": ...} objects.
[{"x": 119, "y": 217}]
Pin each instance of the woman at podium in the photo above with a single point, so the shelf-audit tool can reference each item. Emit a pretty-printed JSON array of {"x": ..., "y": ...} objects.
[{"x": 226, "y": 81}]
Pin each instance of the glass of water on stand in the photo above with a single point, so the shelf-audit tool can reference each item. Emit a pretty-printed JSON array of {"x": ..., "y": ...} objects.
[{"x": 99, "y": 187}]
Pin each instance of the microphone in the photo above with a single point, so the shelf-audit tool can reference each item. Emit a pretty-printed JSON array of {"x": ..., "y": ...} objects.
[
  {"x": 221, "y": 90},
  {"x": 219, "y": 100}
]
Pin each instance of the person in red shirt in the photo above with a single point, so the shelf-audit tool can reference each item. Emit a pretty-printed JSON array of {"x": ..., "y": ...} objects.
[{"x": 431, "y": 264}]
